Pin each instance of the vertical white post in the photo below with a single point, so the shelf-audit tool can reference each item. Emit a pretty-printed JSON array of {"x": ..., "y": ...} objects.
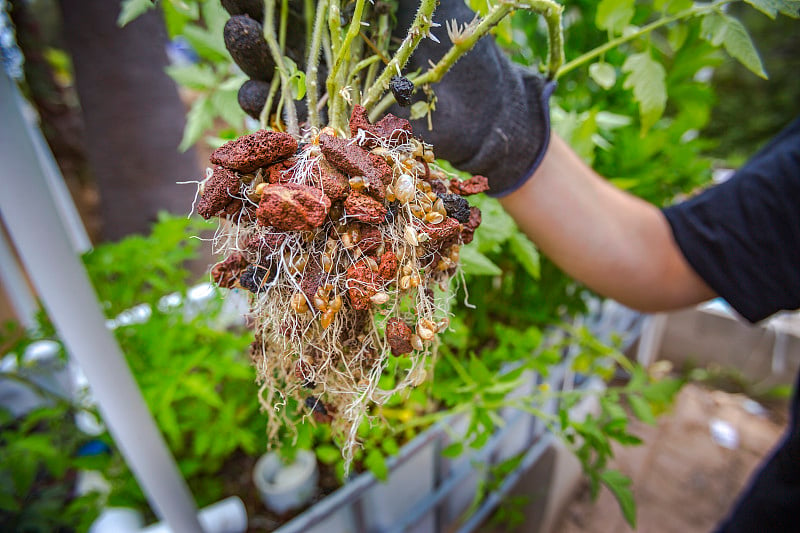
[{"x": 32, "y": 218}]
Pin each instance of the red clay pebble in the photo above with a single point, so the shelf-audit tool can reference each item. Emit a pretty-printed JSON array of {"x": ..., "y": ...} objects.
[
  {"x": 332, "y": 182},
  {"x": 468, "y": 231},
  {"x": 398, "y": 335},
  {"x": 250, "y": 152},
  {"x": 353, "y": 160},
  {"x": 226, "y": 273},
  {"x": 396, "y": 129},
  {"x": 473, "y": 185},
  {"x": 217, "y": 193},
  {"x": 360, "y": 285},
  {"x": 438, "y": 233},
  {"x": 280, "y": 172},
  {"x": 313, "y": 277},
  {"x": 364, "y": 208},
  {"x": 292, "y": 207},
  {"x": 388, "y": 266}
]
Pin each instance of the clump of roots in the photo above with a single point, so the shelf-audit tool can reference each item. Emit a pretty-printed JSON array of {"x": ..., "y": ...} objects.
[{"x": 348, "y": 252}]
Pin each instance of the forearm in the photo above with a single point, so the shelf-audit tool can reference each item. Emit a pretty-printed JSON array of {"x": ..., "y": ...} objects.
[{"x": 615, "y": 243}]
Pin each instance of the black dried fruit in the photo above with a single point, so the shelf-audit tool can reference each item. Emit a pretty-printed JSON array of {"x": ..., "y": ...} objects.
[
  {"x": 313, "y": 403},
  {"x": 253, "y": 8},
  {"x": 252, "y": 97},
  {"x": 244, "y": 39},
  {"x": 402, "y": 88},
  {"x": 254, "y": 277},
  {"x": 456, "y": 207}
]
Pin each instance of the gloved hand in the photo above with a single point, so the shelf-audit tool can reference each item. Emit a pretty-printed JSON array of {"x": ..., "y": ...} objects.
[
  {"x": 244, "y": 39},
  {"x": 492, "y": 117}
]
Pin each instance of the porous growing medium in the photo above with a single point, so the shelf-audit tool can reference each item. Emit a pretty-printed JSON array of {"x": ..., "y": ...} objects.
[{"x": 348, "y": 246}]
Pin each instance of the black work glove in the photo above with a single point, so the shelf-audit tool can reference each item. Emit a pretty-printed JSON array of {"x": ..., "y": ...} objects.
[
  {"x": 244, "y": 39},
  {"x": 492, "y": 116}
]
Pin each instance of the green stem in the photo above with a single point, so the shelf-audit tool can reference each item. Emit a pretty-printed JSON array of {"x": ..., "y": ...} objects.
[
  {"x": 613, "y": 43},
  {"x": 274, "y": 48},
  {"x": 419, "y": 29},
  {"x": 309, "y": 15},
  {"x": 335, "y": 27},
  {"x": 282, "y": 29},
  {"x": 312, "y": 70},
  {"x": 273, "y": 88},
  {"x": 382, "y": 42},
  {"x": 338, "y": 76}
]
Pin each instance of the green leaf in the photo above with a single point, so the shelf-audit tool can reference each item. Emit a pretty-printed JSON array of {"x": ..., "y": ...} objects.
[
  {"x": 603, "y": 74},
  {"x": 132, "y": 9},
  {"x": 672, "y": 6},
  {"x": 720, "y": 29},
  {"x": 198, "y": 120},
  {"x": 419, "y": 110},
  {"x": 478, "y": 370},
  {"x": 453, "y": 450},
  {"x": 207, "y": 44},
  {"x": 390, "y": 446},
  {"x": 790, "y": 8},
  {"x": 641, "y": 409},
  {"x": 646, "y": 77},
  {"x": 226, "y": 105},
  {"x": 328, "y": 454},
  {"x": 193, "y": 76},
  {"x": 376, "y": 464},
  {"x": 614, "y": 15},
  {"x": 620, "y": 486},
  {"x": 477, "y": 264},
  {"x": 526, "y": 253}
]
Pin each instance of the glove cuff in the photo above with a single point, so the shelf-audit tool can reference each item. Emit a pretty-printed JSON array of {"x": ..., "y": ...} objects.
[{"x": 544, "y": 101}]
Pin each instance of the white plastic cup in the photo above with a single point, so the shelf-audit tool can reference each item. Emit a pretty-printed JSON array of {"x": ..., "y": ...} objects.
[{"x": 286, "y": 487}]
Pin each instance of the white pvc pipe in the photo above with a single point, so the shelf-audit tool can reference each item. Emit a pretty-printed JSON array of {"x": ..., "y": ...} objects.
[
  {"x": 16, "y": 286},
  {"x": 225, "y": 516},
  {"x": 59, "y": 278}
]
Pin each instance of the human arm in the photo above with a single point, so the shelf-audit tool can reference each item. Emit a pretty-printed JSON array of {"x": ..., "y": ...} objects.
[{"x": 617, "y": 244}]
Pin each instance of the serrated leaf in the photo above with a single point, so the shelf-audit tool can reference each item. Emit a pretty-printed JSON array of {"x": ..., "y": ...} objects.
[
  {"x": 620, "y": 486},
  {"x": 207, "y": 44},
  {"x": 193, "y": 76},
  {"x": 719, "y": 29},
  {"x": 646, "y": 77},
  {"x": 526, "y": 253},
  {"x": 790, "y": 8},
  {"x": 226, "y": 105},
  {"x": 477, "y": 264},
  {"x": 478, "y": 371},
  {"x": 603, "y": 74},
  {"x": 614, "y": 15},
  {"x": 198, "y": 120},
  {"x": 132, "y": 9}
]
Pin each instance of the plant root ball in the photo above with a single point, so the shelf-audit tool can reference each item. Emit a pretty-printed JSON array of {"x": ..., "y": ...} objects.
[
  {"x": 388, "y": 266},
  {"x": 250, "y": 152},
  {"x": 365, "y": 209},
  {"x": 334, "y": 184},
  {"x": 227, "y": 273},
  {"x": 361, "y": 285},
  {"x": 468, "y": 231},
  {"x": 398, "y": 335},
  {"x": 473, "y": 185},
  {"x": 456, "y": 207},
  {"x": 395, "y": 129},
  {"x": 441, "y": 232},
  {"x": 356, "y": 161},
  {"x": 252, "y": 96},
  {"x": 255, "y": 277},
  {"x": 244, "y": 39},
  {"x": 218, "y": 192},
  {"x": 292, "y": 207}
]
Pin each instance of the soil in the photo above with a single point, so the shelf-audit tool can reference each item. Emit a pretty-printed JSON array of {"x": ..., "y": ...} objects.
[{"x": 683, "y": 481}]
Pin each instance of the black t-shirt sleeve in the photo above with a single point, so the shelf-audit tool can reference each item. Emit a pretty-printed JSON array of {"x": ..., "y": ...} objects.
[{"x": 743, "y": 236}]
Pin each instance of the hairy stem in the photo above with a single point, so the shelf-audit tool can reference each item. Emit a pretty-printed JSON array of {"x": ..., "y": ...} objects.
[
  {"x": 382, "y": 45},
  {"x": 277, "y": 56},
  {"x": 419, "y": 29},
  {"x": 698, "y": 9},
  {"x": 273, "y": 88},
  {"x": 312, "y": 69},
  {"x": 337, "y": 77}
]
